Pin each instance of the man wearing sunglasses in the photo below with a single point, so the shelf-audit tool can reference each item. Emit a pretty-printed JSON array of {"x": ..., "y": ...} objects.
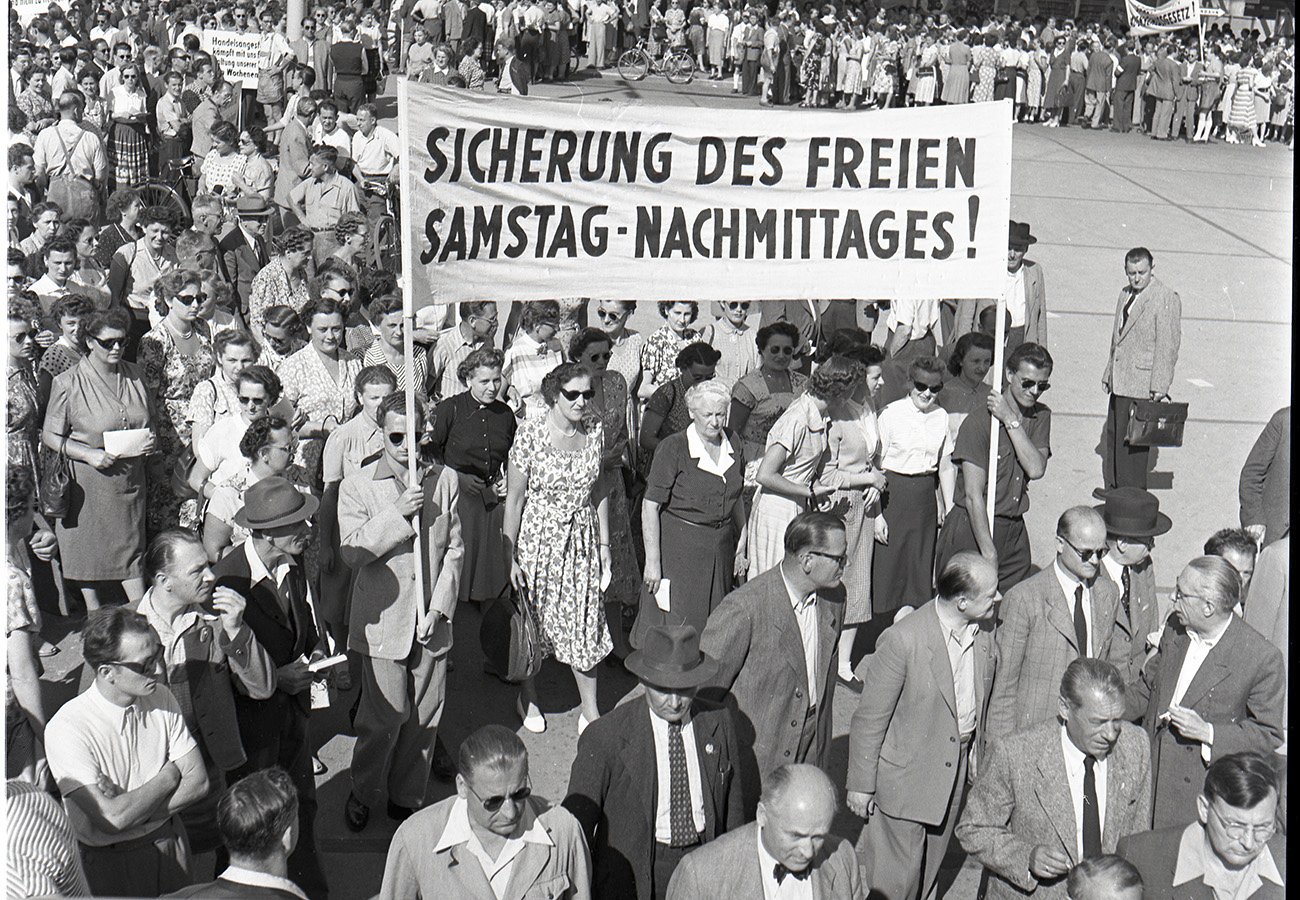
[
  {"x": 403, "y": 636},
  {"x": 125, "y": 762},
  {"x": 491, "y": 839},
  {"x": 1023, "y": 427},
  {"x": 1049, "y": 620}
]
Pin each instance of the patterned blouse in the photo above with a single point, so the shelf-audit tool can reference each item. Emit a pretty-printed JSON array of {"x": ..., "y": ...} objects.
[
  {"x": 309, "y": 387},
  {"x": 659, "y": 355},
  {"x": 273, "y": 286}
]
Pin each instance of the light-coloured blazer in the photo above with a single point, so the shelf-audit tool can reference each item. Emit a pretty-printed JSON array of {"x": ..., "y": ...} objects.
[
  {"x": 903, "y": 740},
  {"x": 727, "y": 869},
  {"x": 1146, "y": 616},
  {"x": 1036, "y": 643},
  {"x": 560, "y": 872},
  {"x": 1239, "y": 689},
  {"x": 762, "y": 676},
  {"x": 968, "y": 311},
  {"x": 378, "y": 544},
  {"x": 1144, "y": 352},
  {"x": 1021, "y": 799}
]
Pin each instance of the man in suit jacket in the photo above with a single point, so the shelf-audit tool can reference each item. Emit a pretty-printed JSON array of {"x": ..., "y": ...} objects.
[
  {"x": 1265, "y": 485},
  {"x": 244, "y": 250},
  {"x": 1058, "y": 793},
  {"x": 1215, "y": 687},
  {"x": 641, "y": 805},
  {"x": 1164, "y": 75},
  {"x": 1025, "y": 293},
  {"x": 403, "y": 637},
  {"x": 791, "y": 839},
  {"x": 1121, "y": 103},
  {"x": 1133, "y": 521},
  {"x": 1101, "y": 71},
  {"x": 774, "y": 641},
  {"x": 916, "y": 725},
  {"x": 295, "y": 153},
  {"x": 1234, "y": 834},
  {"x": 1143, "y": 352},
  {"x": 256, "y": 817},
  {"x": 1051, "y": 619},
  {"x": 266, "y": 571},
  {"x": 438, "y": 852}
]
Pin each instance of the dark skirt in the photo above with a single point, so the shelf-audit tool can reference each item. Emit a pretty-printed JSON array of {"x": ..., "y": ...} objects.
[
  {"x": 1004, "y": 87},
  {"x": 699, "y": 561},
  {"x": 903, "y": 570},
  {"x": 485, "y": 569}
]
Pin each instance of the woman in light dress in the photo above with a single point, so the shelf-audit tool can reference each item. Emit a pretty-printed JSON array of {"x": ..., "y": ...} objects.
[
  {"x": 851, "y": 86},
  {"x": 927, "y": 71}
]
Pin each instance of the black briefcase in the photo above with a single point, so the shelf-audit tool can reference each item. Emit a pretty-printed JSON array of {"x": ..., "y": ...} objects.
[
  {"x": 511, "y": 638},
  {"x": 1156, "y": 423}
]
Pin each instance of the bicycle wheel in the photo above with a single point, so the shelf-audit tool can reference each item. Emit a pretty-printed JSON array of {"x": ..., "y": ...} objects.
[
  {"x": 680, "y": 68},
  {"x": 155, "y": 193},
  {"x": 384, "y": 246},
  {"x": 634, "y": 65}
]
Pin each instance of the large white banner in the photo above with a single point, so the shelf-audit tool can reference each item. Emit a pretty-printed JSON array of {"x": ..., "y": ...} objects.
[
  {"x": 1171, "y": 16},
  {"x": 237, "y": 54},
  {"x": 525, "y": 199},
  {"x": 29, "y": 9}
]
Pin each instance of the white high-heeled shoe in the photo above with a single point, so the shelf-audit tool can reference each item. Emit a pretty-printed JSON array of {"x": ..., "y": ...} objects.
[
  {"x": 536, "y": 724},
  {"x": 583, "y": 722}
]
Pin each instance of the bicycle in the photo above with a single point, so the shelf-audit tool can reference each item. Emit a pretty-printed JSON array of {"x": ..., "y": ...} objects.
[
  {"x": 385, "y": 249},
  {"x": 173, "y": 194},
  {"x": 677, "y": 64}
]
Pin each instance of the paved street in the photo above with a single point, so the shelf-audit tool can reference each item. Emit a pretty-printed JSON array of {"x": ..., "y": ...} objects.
[{"x": 1218, "y": 220}]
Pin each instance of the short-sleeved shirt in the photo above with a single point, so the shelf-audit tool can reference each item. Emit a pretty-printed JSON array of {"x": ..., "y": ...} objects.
[
  {"x": 326, "y": 200},
  {"x": 527, "y": 363},
  {"x": 90, "y": 736},
  {"x": 448, "y": 353},
  {"x": 1012, "y": 497},
  {"x": 474, "y": 438},
  {"x": 683, "y": 489},
  {"x": 376, "y": 356},
  {"x": 803, "y": 431},
  {"x": 912, "y": 442},
  {"x": 353, "y": 441},
  {"x": 42, "y": 856}
]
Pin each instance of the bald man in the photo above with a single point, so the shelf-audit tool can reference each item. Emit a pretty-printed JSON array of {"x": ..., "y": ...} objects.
[
  {"x": 1051, "y": 619},
  {"x": 790, "y": 840}
]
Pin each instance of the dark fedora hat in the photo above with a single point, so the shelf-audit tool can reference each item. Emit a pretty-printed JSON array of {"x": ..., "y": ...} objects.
[
  {"x": 670, "y": 658},
  {"x": 274, "y": 502},
  {"x": 1019, "y": 236},
  {"x": 252, "y": 207},
  {"x": 1133, "y": 512}
]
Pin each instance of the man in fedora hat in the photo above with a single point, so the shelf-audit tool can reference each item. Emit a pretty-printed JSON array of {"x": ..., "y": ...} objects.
[
  {"x": 653, "y": 780},
  {"x": 1024, "y": 291},
  {"x": 243, "y": 250},
  {"x": 266, "y": 570},
  {"x": 1133, "y": 521}
]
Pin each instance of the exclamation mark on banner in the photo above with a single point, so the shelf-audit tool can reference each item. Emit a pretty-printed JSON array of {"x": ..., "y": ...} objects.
[{"x": 973, "y": 205}]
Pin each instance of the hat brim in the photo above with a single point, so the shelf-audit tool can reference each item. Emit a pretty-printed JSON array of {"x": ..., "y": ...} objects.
[
  {"x": 253, "y": 213},
  {"x": 646, "y": 671},
  {"x": 302, "y": 514},
  {"x": 1162, "y": 524}
]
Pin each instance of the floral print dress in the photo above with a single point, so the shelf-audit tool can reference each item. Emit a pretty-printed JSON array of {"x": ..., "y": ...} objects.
[
  {"x": 22, "y": 422},
  {"x": 559, "y": 543},
  {"x": 171, "y": 377},
  {"x": 309, "y": 386}
]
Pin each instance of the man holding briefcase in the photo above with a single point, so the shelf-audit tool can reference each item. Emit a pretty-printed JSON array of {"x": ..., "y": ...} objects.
[{"x": 1143, "y": 353}]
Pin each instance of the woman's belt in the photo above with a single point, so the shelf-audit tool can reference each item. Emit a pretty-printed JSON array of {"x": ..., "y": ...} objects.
[{"x": 714, "y": 525}]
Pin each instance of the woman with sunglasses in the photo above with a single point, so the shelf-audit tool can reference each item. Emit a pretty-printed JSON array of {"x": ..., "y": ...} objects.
[
  {"x": 175, "y": 356},
  {"x": 217, "y": 397},
  {"x": 22, "y": 422},
  {"x": 788, "y": 482},
  {"x": 666, "y": 413},
  {"x": 734, "y": 339},
  {"x": 611, "y": 317},
  {"x": 760, "y": 397},
  {"x": 915, "y": 454},
  {"x": 283, "y": 281},
  {"x": 128, "y": 143},
  {"x": 557, "y": 533},
  {"x": 218, "y": 310},
  {"x": 216, "y": 454},
  {"x": 258, "y": 176},
  {"x": 102, "y": 539},
  {"x": 281, "y": 336}
]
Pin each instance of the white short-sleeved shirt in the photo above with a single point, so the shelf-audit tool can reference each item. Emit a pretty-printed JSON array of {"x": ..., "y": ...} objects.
[
  {"x": 91, "y": 736},
  {"x": 912, "y": 442}
]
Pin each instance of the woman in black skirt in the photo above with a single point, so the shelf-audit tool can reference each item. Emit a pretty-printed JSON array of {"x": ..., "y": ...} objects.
[{"x": 915, "y": 446}]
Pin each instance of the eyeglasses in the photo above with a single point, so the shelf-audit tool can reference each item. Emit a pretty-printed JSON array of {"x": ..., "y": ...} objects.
[
  {"x": 838, "y": 559},
  {"x": 922, "y": 387},
  {"x": 599, "y": 357},
  {"x": 1028, "y": 384},
  {"x": 109, "y": 343},
  {"x": 1238, "y": 830},
  {"x": 191, "y": 299},
  {"x": 571, "y": 396},
  {"x": 779, "y": 351},
  {"x": 608, "y": 314},
  {"x": 256, "y": 401},
  {"x": 342, "y": 292},
  {"x": 290, "y": 447},
  {"x": 492, "y": 804},
  {"x": 1086, "y": 555},
  {"x": 148, "y": 667}
]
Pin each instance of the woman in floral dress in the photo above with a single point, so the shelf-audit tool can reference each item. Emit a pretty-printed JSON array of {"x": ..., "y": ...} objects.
[
  {"x": 558, "y": 532},
  {"x": 985, "y": 60},
  {"x": 22, "y": 419},
  {"x": 175, "y": 356},
  {"x": 659, "y": 355},
  {"x": 625, "y": 359},
  {"x": 283, "y": 281}
]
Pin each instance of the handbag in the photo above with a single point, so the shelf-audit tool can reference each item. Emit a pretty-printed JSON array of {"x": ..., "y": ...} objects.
[
  {"x": 1156, "y": 423},
  {"x": 511, "y": 638},
  {"x": 56, "y": 478}
]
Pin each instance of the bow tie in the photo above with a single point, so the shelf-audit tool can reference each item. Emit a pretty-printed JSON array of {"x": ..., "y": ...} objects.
[{"x": 780, "y": 871}]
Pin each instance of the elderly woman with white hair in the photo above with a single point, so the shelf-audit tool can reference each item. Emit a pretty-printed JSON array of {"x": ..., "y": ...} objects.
[{"x": 693, "y": 518}]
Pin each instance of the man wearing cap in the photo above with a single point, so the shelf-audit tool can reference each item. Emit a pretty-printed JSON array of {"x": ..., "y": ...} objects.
[
  {"x": 653, "y": 780},
  {"x": 1024, "y": 293},
  {"x": 1133, "y": 521},
  {"x": 266, "y": 571},
  {"x": 403, "y": 636},
  {"x": 243, "y": 249}
]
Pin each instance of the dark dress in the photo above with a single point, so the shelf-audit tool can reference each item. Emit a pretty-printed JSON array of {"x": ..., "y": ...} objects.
[
  {"x": 697, "y": 538},
  {"x": 474, "y": 441}
]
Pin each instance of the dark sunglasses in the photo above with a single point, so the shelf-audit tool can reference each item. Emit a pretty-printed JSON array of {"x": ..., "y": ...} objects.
[
  {"x": 191, "y": 299},
  {"x": 111, "y": 343},
  {"x": 608, "y": 314},
  {"x": 738, "y": 304},
  {"x": 492, "y": 804},
  {"x": 1028, "y": 384},
  {"x": 260, "y": 401},
  {"x": 1087, "y": 555},
  {"x": 838, "y": 559},
  {"x": 779, "y": 351},
  {"x": 600, "y": 357},
  {"x": 922, "y": 387},
  {"x": 25, "y": 336},
  {"x": 397, "y": 438},
  {"x": 569, "y": 395},
  {"x": 148, "y": 667}
]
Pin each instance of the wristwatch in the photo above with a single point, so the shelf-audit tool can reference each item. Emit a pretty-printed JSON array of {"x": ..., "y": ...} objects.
[{"x": 1014, "y": 424}]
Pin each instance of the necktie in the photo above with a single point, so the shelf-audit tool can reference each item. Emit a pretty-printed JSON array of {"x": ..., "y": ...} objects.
[
  {"x": 1125, "y": 584},
  {"x": 779, "y": 872},
  {"x": 680, "y": 817},
  {"x": 1128, "y": 308},
  {"x": 1080, "y": 623},
  {"x": 1091, "y": 811}
]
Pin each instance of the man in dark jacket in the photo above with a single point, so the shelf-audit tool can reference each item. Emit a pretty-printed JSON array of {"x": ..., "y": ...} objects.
[{"x": 1121, "y": 101}]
